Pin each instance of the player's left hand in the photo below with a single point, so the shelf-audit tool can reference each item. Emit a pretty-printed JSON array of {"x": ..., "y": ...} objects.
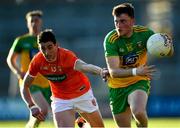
[
  {"x": 36, "y": 112},
  {"x": 146, "y": 70},
  {"x": 105, "y": 74}
]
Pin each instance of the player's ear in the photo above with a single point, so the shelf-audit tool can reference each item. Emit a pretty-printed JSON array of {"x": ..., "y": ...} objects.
[{"x": 133, "y": 21}]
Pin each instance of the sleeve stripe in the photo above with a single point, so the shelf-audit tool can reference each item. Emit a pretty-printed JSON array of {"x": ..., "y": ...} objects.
[{"x": 112, "y": 37}]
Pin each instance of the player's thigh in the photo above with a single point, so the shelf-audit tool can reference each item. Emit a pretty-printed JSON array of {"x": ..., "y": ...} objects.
[
  {"x": 86, "y": 103},
  {"x": 138, "y": 100},
  {"x": 88, "y": 107},
  {"x": 64, "y": 118},
  {"x": 94, "y": 118},
  {"x": 123, "y": 119}
]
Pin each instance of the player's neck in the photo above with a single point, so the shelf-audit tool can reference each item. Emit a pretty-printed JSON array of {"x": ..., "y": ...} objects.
[
  {"x": 55, "y": 60},
  {"x": 129, "y": 34}
]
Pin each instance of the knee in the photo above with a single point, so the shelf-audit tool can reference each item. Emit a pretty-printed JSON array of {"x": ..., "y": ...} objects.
[{"x": 139, "y": 113}]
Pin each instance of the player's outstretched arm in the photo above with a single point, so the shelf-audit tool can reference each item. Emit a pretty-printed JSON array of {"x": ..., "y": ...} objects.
[
  {"x": 25, "y": 93},
  {"x": 87, "y": 68},
  {"x": 114, "y": 70},
  {"x": 117, "y": 72},
  {"x": 90, "y": 68},
  {"x": 26, "y": 96}
]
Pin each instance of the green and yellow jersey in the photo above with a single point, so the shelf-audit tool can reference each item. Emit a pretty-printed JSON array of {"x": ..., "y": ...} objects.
[
  {"x": 26, "y": 46},
  {"x": 131, "y": 51}
]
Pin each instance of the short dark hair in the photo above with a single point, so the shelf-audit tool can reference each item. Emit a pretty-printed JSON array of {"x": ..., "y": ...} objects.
[
  {"x": 38, "y": 13},
  {"x": 126, "y": 8},
  {"x": 45, "y": 36}
]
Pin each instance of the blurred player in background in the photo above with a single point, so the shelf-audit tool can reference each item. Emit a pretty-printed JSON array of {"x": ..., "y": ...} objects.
[
  {"x": 126, "y": 58},
  {"x": 71, "y": 89},
  {"x": 25, "y": 47}
]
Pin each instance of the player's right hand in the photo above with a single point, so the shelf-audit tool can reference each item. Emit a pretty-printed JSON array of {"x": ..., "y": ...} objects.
[
  {"x": 36, "y": 112},
  {"x": 145, "y": 70},
  {"x": 105, "y": 74}
]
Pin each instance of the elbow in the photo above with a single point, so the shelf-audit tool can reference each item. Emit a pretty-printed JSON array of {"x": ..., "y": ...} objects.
[{"x": 8, "y": 60}]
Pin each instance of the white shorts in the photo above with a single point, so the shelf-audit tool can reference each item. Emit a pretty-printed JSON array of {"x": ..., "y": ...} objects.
[{"x": 85, "y": 103}]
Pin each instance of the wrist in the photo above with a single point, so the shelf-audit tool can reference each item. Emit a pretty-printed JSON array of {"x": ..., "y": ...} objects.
[
  {"x": 33, "y": 106},
  {"x": 134, "y": 71}
]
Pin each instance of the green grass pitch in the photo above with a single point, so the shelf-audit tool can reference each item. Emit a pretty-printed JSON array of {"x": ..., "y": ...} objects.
[{"x": 153, "y": 123}]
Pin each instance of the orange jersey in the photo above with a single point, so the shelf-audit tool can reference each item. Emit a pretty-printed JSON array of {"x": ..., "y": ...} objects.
[{"x": 65, "y": 82}]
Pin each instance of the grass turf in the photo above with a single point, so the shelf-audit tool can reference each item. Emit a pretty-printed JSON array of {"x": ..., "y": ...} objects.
[{"x": 153, "y": 123}]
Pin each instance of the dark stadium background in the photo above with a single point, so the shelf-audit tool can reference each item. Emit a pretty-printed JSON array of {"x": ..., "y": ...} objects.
[{"x": 80, "y": 25}]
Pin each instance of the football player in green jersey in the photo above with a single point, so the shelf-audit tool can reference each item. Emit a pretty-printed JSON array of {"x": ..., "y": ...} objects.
[
  {"x": 126, "y": 58},
  {"x": 25, "y": 47}
]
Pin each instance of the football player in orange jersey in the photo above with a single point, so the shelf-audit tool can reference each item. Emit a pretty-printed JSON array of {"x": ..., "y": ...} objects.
[{"x": 71, "y": 89}]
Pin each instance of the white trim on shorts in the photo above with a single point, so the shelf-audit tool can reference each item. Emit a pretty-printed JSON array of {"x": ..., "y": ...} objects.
[{"x": 83, "y": 103}]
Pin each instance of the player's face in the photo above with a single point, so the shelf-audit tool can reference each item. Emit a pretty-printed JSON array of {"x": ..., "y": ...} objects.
[
  {"x": 49, "y": 51},
  {"x": 34, "y": 24},
  {"x": 124, "y": 24}
]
